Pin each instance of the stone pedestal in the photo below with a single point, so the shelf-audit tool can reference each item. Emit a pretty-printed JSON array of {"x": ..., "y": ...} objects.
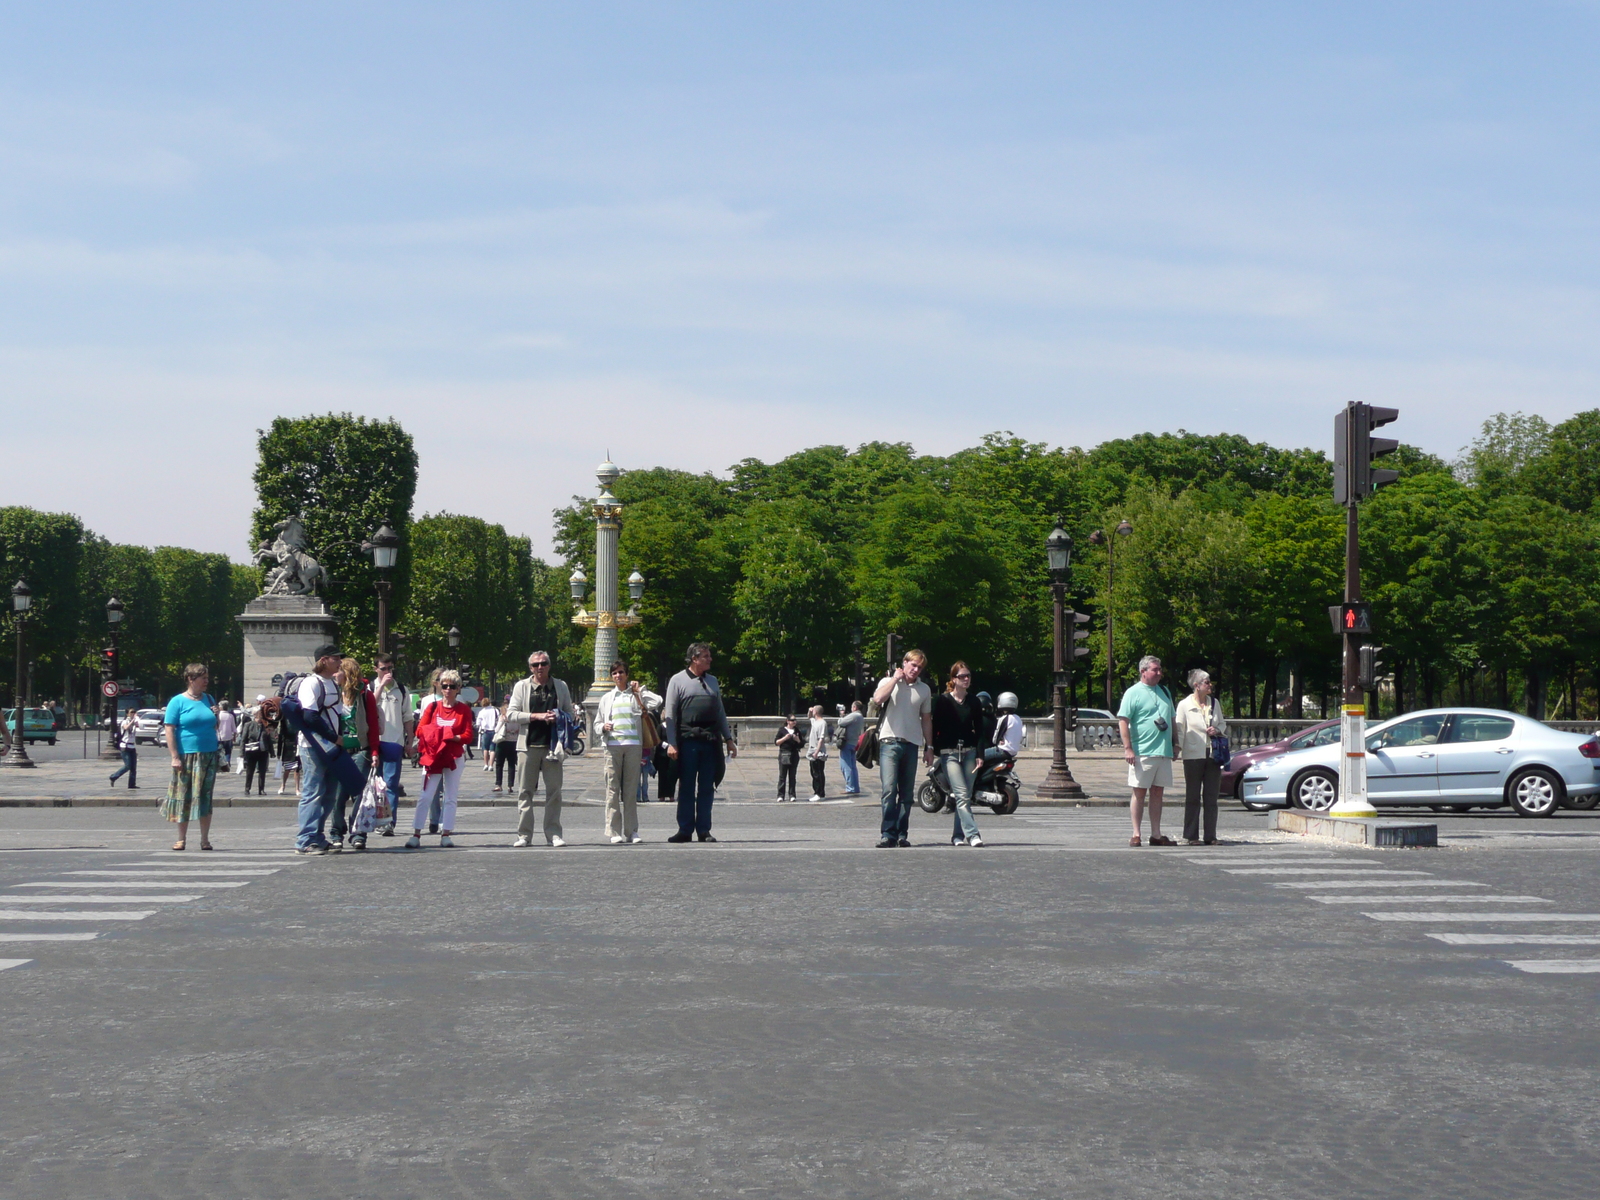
[{"x": 280, "y": 632}]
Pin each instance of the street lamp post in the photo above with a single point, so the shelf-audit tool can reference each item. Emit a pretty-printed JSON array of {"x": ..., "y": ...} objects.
[
  {"x": 17, "y": 756},
  {"x": 384, "y": 546},
  {"x": 1101, "y": 538},
  {"x": 1059, "y": 783},
  {"x": 855, "y": 663},
  {"x": 454, "y": 637},
  {"x": 114, "y": 615},
  {"x": 605, "y": 620}
]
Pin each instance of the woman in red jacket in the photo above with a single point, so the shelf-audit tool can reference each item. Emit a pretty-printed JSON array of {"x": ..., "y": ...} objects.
[{"x": 443, "y": 734}]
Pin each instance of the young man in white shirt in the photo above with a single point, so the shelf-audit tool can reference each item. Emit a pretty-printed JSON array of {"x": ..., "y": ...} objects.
[
  {"x": 321, "y": 709},
  {"x": 395, "y": 722},
  {"x": 817, "y": 754},
  {"x": 905, "y": 729}
]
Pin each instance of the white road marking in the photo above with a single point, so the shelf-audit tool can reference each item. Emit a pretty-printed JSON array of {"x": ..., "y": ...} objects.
[
  {"x": 1307, "y": 885},
  {"x": 19, "y": 914},
  {"x": 116, "y": 883},
  {"x": 1483, "y": 916},
  {"x": 199, "y": 873},
  {"x": 48, "y": 937},
  {"x": 1480, "y": 899},
  {"x": 1556, "y": 966},
  {"x": 1367, "y": 871},
  {"x": 7, "y": 963},
  {"x": 163, "y": 899},
  {"x": 1518, "y": 939}
]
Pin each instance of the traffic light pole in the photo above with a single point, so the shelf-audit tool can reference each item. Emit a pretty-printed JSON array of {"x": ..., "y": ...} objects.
[
  {"x": 1059, "y": 783},
  {"x": 1352, "y": 800},
  {"x": 111, "y": 753}
]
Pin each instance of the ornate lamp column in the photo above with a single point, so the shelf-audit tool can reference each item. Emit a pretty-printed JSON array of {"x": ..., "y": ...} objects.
[
  {"x": 17, "y": 756},
  {"x": 605, "y": 620},
  {"x": 113, "y": 672},
  {"x": 1059, "y": 783}
]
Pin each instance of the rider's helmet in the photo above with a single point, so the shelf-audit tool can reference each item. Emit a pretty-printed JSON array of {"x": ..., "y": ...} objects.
[{"x": 1007, "y": 702}]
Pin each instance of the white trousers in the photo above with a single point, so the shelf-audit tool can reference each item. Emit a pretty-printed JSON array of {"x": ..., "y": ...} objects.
[{"x": 451, "y": 780}]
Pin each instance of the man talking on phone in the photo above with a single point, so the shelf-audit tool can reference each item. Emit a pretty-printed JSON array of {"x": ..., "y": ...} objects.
[{"x": 905, "y": 730}]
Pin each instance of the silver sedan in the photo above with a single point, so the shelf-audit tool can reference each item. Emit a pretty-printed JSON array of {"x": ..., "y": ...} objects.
[{"x": 1459, "y": 758}]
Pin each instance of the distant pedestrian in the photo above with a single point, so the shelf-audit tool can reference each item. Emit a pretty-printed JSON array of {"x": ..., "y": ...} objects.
[
  {"x": 395, "y": 725},
  {"x": 850, "y": 726},
  {"x": 227, "y": 730},
  {"x": 817, "y": 754},
  {"x": 537, "y": 702},
  {"x": 1199, "y": 719},
  {"x": 321, "y": 711},
  {"x": 444, "y": 733},
  {"x": 286, "y": 745},
  {"x": 620, "y": 720},
  {"x": 505, "y": 751},
  {"x": 1146, "y": 717},
  {"x": 960, "y": 732},
  {"x": 255, "y": 751},
  {"x": 790, "y": 742},
  {"x": 905, "y": 733},
  {"x": 359, "y": 735},
  {"x": 696, "y": 733},
  {"x": 486, "y": 722},
  {"x": 191, "y": 729},
  {"x": 128, "y": 746}
]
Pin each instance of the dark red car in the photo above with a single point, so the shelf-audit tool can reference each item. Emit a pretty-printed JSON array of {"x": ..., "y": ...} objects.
[{"x": 1233, "y": 774}]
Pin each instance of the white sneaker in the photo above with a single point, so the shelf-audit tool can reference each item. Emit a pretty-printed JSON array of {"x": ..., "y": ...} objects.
[
  {"x": 955, "y": 841},
  {"x": 444, "y": 841},
  {"x": 520, "y": 842},
  {"x": 781, "y": 797},
  {"x": 617, "y": 839},
  {"x": 974, "y": 841},
  {"x": 413, "y": 842},
  {"x": 636, "y": 839},
  {"x": 558, "y": 840},
  {"x": 814, "y": 800}
]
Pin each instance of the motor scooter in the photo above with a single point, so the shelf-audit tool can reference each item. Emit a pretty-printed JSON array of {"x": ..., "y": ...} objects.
[{"x": 993, "y": 783}]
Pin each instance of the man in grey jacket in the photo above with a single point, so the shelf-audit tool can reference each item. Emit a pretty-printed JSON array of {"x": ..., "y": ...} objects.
[
  {"x": 694, "y": 724},
  {"x": 534, "y": 704}
]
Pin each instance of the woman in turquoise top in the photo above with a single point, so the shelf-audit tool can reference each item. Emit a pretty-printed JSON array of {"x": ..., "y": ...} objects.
[{"x": 192, "y": 740}]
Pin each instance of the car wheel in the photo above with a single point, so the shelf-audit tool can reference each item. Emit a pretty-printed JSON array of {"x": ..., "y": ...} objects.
[
  {"x": 1314, "y": 791},
  {"x": 51, "y": 742},
  {"x": 1535, "y": 793},
  {"x": 1256, "y": 806},
  {"x": 1584, "y": 803}
]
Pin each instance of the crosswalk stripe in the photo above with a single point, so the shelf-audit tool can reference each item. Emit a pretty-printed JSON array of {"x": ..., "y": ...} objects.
[
  {"x": 1369, "y": 899},
  {"x": 165, "y": 899},
  {"x": 1369, "y": 871},
  {"x": 116, "y": 883},
  {"x": 18, "y": 914},
  {"x": 1556, "y": 966},
  {"x": 7, "y": 963},
  {"x": 1518, "y": 939},
  {"x": 1314, "y": 884},
  {"x": 1482, "y": 916},
  {"x": 48, "y": 937},
  {"x": 198, "y": 873}
]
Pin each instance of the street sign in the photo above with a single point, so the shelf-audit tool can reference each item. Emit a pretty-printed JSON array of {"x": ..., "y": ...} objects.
[
  {"x": 1353, "y": 616},
  {"x": 277, "y": 680},
  {"x": 110, "y": 688}
]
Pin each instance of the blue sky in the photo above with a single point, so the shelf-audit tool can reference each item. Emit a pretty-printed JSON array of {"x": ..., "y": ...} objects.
[{"x": 692, "y": 233}]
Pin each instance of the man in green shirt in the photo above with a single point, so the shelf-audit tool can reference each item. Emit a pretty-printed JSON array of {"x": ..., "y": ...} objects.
[{"x": 1146, "y": 718}]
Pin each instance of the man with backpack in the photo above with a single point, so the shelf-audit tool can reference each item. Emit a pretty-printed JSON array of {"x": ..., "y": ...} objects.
[
  {"x": 321, "y": 709},
  {"x": 850, "y": 725},
  {"x": 1146, "y": 717},
  {"x": 540, "y": 703}
]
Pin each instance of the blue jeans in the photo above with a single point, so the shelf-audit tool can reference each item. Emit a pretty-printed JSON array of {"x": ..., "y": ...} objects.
[
  {"x": 958, "y": 770},
  {"x": 390, "y": 756},
  {"x": 317, "y": 791},
  {"x": 697, "y": 773},
  {"x": 897, "y": 767},
  {"x": 850, "y": 769},
  {"x": 130, "y": 766}
]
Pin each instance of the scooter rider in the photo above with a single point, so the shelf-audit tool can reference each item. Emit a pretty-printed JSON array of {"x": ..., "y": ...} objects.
[{"x": 1007, "y": 730}]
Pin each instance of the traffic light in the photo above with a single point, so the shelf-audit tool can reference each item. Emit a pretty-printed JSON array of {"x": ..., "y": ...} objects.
[
  {"x": 1079, "y": 635},
  {"x": 1368, "y": 674},
  {"x": 1354, "y": 448},
  {"x": 1353, "y": 616},
  {"x": 893, "y": 645},
  {"x": 108, "y": 662}
]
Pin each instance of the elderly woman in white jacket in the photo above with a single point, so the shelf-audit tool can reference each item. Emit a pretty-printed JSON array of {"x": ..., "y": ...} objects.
[{"x": 1197, "y": 720}]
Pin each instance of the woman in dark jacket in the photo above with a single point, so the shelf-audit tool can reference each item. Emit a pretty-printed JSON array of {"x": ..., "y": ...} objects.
[
  {"x": 789, "y": 743},
  {"x": 255, "y": 749},
  {"x": 960, "y": 731}
]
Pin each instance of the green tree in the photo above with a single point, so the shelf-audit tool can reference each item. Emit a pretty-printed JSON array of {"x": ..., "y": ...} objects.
[
  {"x": 1568, "y": 471},
  {"x": 343, "y": 476},
  {"x": 46, "y": 550}
]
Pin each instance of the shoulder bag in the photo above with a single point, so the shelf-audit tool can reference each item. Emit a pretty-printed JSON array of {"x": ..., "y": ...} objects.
[{"x": 1221, "y": 748}]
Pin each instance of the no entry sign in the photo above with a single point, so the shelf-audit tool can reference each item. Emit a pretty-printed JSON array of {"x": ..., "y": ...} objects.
[{"x": 110, "y": 688}]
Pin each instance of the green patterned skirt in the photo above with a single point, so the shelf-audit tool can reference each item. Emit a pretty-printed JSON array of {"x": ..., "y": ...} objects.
[{"x": 189, "y": 793}]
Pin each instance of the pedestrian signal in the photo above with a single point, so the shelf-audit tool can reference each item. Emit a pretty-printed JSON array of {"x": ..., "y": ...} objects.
[{"x": 1353, "y": 616}]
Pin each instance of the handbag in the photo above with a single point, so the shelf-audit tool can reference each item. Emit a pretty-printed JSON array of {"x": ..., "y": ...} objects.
[
  {"x": 374, "y": 807},
  {"x": 649, "y": 735},
  {"x": 1221, "y": 748},
  {"x": 867, "y": 747}
]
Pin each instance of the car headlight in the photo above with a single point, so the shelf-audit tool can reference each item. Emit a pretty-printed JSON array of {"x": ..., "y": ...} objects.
[{"x": 1270, "y": 762}]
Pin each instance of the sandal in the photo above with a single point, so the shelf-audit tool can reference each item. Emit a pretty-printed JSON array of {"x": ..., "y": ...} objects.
[
  {"x": 177, "y": 845},
  {"x": 206, "y": 846},
  {"x": 1134, "y": 841}
]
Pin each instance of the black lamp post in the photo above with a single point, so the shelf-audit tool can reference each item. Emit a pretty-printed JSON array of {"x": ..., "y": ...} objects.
[
  {"x": 1100, "y": 538},
  {"x": 455, "y": 646},
  {"x": 855, "y": 662},
  {"x": 1059, "y": 783},
  {"x": 384, "y": 546},
  {"x": 114, "y": 615},
  {"x": 17, "y": 756}
]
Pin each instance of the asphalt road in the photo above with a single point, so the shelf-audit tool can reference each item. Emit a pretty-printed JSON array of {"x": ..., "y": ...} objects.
[{"x": 790, "y": 1012}]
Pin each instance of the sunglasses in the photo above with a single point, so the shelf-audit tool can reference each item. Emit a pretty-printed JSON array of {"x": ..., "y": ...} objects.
[
  {"x": 449, "y": 687},
  {"x": 965, "y": 675},
  {"x": 537, "y": 665}
]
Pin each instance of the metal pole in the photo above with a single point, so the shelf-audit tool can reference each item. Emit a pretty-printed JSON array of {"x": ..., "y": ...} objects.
[
  {"x": 111, "y": 753},
  {"x": 1111, "y": 579},
  {"x": 1059, "y": 783},
  {"x": 1353, "y": 801},
  {"x": 383, "y": 586},
  {"x": 17, "y": 756}
]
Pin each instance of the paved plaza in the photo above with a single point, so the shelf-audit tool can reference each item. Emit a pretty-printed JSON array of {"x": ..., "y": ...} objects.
[{"x": 791, "y": 1012}]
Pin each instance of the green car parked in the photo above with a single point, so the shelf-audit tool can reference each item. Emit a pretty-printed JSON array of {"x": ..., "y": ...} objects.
[{"x": 37, "y": 724}]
